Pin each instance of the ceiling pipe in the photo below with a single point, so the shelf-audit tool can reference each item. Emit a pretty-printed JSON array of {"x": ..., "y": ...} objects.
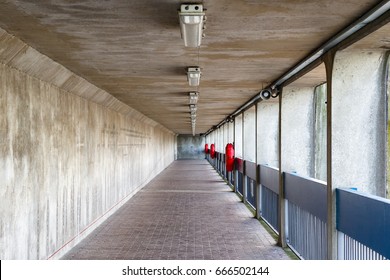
[{"x": 366, "y": 24}]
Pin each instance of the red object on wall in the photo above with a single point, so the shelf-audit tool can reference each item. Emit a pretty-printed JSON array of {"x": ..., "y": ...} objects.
[
  {"x": 229, "y": 157},
  {"x": 212, "y": 151},
  {"x": 206, "y": 148}
]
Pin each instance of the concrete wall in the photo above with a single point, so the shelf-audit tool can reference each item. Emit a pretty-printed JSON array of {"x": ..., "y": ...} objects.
[
  {"x": 249, "y": 134},
  {"x": 267, "y": 133},
  {"x": 190, "y": 147},
  {"x": 297, "y": 130},
  {"x": 66, "y": 162},
  {"x": 320, "y": 133},
  {"x": 238, "y": 139},
  {"x": 359, "y": 121}
]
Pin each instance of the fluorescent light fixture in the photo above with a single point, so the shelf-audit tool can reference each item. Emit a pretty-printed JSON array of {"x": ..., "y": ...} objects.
[
  {"x": 193, "y": 97},
  {"x": 193, "y": 108},
  {"x": 191, "y": 24},
  {"x": 193, "y": 76}
]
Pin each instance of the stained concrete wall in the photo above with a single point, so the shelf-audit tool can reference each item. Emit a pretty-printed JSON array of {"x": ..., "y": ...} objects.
[
  {"x": 249, "y": 134},
  {"x": 297, "y": 130},
  {"x": 268, "y": 133},
  {"x": 238, "y": 137},
  {"x": 66, "y": 162},
  {"x": 190, "y": 147},
  {"x": 320, "y": 124},
  {"x": 359, "y": 121}
]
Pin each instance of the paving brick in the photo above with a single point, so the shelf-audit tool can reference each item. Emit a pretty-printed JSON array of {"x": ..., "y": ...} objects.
[{"x": 186, "y": 212}]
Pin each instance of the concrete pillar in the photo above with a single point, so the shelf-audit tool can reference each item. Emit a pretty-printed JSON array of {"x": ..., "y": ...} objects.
[
  {"x": 359, "y": 121},
  {"x": 297, "y": 127}
]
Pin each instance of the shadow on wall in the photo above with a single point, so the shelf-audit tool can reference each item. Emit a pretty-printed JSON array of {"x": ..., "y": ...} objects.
[{"x": 190, "y": 147}]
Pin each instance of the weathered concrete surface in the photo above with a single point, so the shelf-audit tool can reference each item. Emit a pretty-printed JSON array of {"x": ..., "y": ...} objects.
[
  {"x": 359, "y": 121},
  {"x": 190, "y": 147},
  {"x": 133, "y": 50},
  {"x": 66, "y": 163},
  {"x": 320, "y": 131},
  {"x": 268, "y": 133},
  {"x": 388, "y": 126},
  {"x": 238, "y": 139},
  {"x": 297, "y": 130},
  {"x": 249, "y": 134}
]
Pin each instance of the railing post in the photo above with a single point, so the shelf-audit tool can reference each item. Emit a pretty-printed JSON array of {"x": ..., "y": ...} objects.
[
  {"x": 258, "y": 192},
  {"x": 235, "y": 174},
  {"x": 244, "y": 184},
  {"x": 281, "y": 219},
  {"x": 331, "y": 201}
]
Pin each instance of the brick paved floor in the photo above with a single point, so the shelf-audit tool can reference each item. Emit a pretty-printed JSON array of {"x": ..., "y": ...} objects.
[{"x": 187, "y": 212}]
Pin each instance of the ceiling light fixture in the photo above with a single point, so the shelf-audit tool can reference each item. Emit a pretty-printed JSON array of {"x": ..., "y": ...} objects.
[
  {"x": 193, "y": 76},
  {"x": 193, "y": 108},
  {"x": 192, "y": 19},
  {"x": 193, "y": 97},
  {"x": 265, "y": 94}
]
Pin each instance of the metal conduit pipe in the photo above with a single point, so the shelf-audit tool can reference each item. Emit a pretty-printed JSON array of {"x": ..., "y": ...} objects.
[{"x": 366, "y": 24}]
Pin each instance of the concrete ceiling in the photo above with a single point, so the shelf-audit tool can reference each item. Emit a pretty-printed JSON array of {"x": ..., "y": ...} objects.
[{"x": 133, "y": 49}]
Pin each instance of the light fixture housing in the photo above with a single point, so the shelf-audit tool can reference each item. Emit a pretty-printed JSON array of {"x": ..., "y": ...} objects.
[
  {"x": 194, "y": 97},
  {"x": 192, "y": 19},
  {"x": 265, "y": 94},
  {"x": 193, "y": 76},
  {"x": 193, "y": 108}
]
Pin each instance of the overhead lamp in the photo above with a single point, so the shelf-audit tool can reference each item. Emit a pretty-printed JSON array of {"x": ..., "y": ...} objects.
[
  {"x": 265, "y": 94},
  {"x": 193, "y": 108},
  {"x": 268, "y": 93},
  {"x": 192, "y": 19},
  {"x": 193, "y": 97},
  {"x": 193, "y": 76}
]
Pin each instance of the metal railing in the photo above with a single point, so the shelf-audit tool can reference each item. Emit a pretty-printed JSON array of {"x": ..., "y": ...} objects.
[
  {"x": 306, "y": 216},
  {"x": 363, "y": 224},
  {"x": 239, "y": 180},
  {"x": 251, "y": 179},
  {"x": 269, "y": 185},
  {"x": 251, "y": 192}
]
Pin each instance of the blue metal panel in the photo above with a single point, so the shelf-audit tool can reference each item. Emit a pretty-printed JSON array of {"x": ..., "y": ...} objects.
[
  {"x": 250, "y": 170},
  {"x": 239, "y": 183},
  {"x": 365, "y": 218},
  {"x": 307, "y": 193},
  {"x": 269, "y": 177},
  {"x": 270, "y": 207}
]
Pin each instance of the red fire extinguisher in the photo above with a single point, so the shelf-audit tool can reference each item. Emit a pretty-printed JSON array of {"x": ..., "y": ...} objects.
[
  {"x": 229, "y": 157},
  {"x": 206, "y": 149},
  {"x": 212, "y": 151}
]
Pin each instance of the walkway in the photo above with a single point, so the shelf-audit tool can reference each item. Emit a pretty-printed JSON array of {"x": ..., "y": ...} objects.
[{"x": 187, "y": 212}]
